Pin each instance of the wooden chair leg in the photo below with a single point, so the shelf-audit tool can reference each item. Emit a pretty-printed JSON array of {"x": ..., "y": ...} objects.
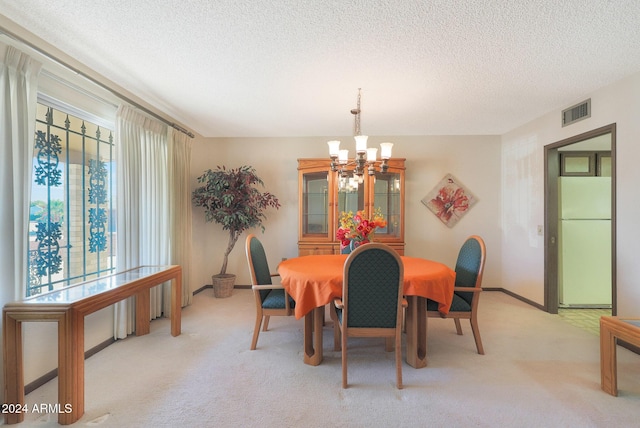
[
  {"x": 476, "y": 335},
  {"x": 458, "y": 326},
  {"x": 336, "y": 327},
  {"x": 388, "y": 344},
  {"x": 399, "y": 362},
  {"x": 336, "y": 337},
  {"x": 256, "y": 332},
  {"x": 344, "y": 360},
  {"x": 266, "y": 323},
  {"x": 332, "y": 313}
]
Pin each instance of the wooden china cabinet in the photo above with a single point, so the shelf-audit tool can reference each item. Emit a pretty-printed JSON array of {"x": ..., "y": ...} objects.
[{"x": 323, "y": 195}]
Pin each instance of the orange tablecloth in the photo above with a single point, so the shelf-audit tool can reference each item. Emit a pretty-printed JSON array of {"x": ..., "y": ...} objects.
[{"x": 314, "y": 281}]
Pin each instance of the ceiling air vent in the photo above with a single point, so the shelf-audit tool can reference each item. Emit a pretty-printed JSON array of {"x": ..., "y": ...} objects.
[{"x": 576, "y": 113}]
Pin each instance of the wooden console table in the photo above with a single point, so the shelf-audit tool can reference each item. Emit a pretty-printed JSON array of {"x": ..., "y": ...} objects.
[
  {"x": 612, "y": 329},
  {"x": 68, "y": 307}
]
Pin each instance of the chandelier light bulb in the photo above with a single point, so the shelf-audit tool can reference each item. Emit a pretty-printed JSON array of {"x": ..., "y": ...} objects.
[
  {"x": 361, "y": 143},
  {"x": 334, "y": 148},
  {"x": 343, "y": 156},
  {"x": 385, "y": 150},
  {"x": 372, "y": 153}
]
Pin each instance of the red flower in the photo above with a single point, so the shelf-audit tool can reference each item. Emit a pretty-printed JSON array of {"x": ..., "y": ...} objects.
[
  {"x": 357, "y": 228},
  {"x": 365, "y": 227},
  {"x": 450, "y": 202},
  {"x": 343, "y": 236}
]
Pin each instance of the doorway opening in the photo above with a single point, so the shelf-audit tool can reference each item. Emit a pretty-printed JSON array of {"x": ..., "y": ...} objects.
[{"x": 601, "y": 143}]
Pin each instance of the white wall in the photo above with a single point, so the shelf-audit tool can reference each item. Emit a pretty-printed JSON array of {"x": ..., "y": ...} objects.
[
  {"x": 474, "y": 160},
  {"x": 523, "y": 192}
]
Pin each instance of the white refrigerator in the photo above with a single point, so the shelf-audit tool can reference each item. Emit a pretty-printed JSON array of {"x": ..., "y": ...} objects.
[{"x": 585, "y": 242}]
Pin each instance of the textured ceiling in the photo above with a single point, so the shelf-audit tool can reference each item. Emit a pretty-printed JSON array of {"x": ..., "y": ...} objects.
[{"x": 241, "y": 68}]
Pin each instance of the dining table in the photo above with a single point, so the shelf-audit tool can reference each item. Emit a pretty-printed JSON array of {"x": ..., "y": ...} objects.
[{"x": 314, "y": 281}]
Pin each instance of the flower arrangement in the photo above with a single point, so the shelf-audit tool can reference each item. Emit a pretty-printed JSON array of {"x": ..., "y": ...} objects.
[{"x": 358, "y": 229}]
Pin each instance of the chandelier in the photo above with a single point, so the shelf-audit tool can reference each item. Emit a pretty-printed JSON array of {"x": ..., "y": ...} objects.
[{"x": 366, "y": 157}]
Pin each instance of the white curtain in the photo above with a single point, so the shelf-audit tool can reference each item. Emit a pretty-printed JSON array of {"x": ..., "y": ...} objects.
[
  {"x": 180, "y": 207},
  {"x": 144, "y": 229},
  {"x": 18, "y": 101}
]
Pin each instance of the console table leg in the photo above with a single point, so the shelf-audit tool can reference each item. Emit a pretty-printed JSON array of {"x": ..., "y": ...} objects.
[
  {"x": 176, "y": 304},
  {"x": 143, "y": 312},
  {"x": 70, "y": 367},
  {"x": 13, "y": 368}
]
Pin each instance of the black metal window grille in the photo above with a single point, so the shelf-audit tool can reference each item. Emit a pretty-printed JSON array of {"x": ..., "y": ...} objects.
[{"x": 72, "y": 236}]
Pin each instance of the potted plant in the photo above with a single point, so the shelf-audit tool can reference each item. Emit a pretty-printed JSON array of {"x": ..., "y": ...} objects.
[{"x": 231, "y": 198}]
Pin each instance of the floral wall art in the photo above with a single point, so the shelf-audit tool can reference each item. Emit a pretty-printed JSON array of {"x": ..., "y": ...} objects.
[{"x": 449, "y": 200}]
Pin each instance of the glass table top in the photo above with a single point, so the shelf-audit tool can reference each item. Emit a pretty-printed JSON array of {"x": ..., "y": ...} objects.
[{"x": 76, "y": 292}]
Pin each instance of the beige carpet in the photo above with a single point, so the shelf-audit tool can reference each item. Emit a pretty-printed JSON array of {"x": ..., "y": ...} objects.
[{"x": 538, "y": 371}]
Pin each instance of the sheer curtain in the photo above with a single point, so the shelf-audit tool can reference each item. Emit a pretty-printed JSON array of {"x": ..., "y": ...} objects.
[
  {"x": 18, "y": 101},
  {"x": 143, "y": 206},
  {"x": 180, "y": 206}
]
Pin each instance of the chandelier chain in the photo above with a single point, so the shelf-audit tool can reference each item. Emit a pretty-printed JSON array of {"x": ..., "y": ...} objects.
[{"x": 356, "y": 112}]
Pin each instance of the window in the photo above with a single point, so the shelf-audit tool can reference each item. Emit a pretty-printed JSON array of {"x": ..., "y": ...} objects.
[
  {"x": 590, "y": 164},
  {"x": 72, "y": 213}
]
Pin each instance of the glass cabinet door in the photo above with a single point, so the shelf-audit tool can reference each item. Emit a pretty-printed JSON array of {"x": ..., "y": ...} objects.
[
  {"x": 387, "y": 196},
  {"x": 350, "y": 195},
  {"x": 315, "y": 203}
]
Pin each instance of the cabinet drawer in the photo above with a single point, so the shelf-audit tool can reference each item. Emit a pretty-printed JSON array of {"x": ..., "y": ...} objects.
[{"x": 311, "y": 249}]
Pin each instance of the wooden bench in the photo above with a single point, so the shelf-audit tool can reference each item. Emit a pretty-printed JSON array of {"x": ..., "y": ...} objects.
[
  {"x": 612, "y": 329},
  {"x": 68, "y": 307}
]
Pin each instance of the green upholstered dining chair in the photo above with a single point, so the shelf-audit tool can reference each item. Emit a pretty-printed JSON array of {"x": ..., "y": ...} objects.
[
  {"x": 372, "y": 301},
  {"x": 466, "y": 293},
  {"x": 271, "y": 299}
]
